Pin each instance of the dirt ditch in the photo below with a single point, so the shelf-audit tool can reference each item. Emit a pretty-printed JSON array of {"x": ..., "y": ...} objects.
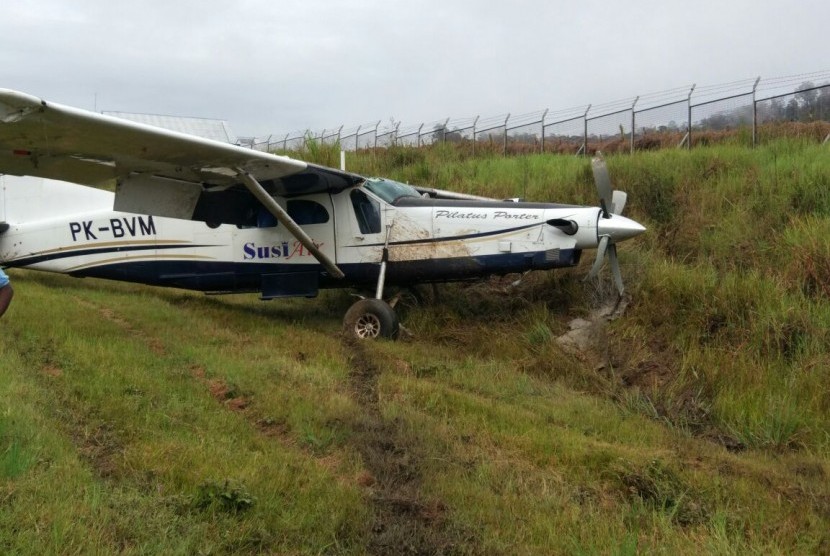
[{"x": 403, "y": 521}]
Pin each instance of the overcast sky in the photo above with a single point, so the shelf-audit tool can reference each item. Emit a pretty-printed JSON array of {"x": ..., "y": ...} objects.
[{"x": 278, "y": 66}]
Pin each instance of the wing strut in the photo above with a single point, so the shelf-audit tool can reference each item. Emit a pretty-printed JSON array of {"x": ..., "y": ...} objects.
[{"x": 269, "y": 203}]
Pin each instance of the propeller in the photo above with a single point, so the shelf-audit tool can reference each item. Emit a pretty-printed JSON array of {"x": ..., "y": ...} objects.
[{"x": 612, "y": 227}]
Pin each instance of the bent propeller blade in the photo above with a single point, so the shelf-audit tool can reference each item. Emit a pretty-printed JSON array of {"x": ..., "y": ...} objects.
[
  {"x": 603, "y": 245},
  {"x": 615, "y": 269}
]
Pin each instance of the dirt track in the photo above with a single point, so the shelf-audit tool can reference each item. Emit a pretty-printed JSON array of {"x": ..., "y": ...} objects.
[{"x": 403, "y": 521}]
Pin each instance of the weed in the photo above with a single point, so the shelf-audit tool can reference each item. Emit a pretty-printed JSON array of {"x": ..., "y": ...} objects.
[
  {"x": 227, "y": 496},
  {"x": 804, "y": 255},
  {"x": 662, "y": 489},
  {"x": 539, "y": 334},
  {"x": 15, "y": 457},
  {"x": 319, "y": 152}
]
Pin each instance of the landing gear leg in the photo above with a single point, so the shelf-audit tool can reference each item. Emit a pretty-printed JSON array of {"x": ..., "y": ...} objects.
[{"x": 373, "y": 318}]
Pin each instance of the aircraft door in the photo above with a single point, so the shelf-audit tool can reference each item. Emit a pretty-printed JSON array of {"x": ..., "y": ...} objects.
[{"x": 360, "y": 226}]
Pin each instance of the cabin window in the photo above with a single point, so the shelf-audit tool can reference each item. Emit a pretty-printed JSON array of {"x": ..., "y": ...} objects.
[
  {"x": 258, "y": 218},
  {"x": 307, "y": 212},
  {"x": 367, "y": 211},
  {"x": 264, "y": 219},
  {"x": 300, "y": 210}
]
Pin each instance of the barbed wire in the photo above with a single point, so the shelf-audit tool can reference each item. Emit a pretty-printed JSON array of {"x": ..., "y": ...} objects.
[
  {"x": 696, "y": 94},
  {"x": 688, "y": 106}
]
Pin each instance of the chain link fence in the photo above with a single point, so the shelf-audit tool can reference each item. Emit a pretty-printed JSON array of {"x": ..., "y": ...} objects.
[{"x": 746, "y": 111}]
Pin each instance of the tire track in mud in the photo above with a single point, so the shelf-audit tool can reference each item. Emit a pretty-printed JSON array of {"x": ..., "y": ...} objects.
[
  {"x": 154, "y": 344},
  {"x": 403, "y": 521},
  {"x": 97, "y": 442}
]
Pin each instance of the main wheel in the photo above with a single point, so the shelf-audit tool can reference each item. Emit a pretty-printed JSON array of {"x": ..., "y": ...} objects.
[{"x": 371, "y": 318}]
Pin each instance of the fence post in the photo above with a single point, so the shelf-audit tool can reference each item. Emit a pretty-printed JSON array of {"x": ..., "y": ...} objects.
[
  {"x": 504, "y": 137},
  {"x": 689, "y": 128},
  {"x": 585, "y": 131},
  {"x": 542, "y": 146},
  {"x": 755, "y": 113},
  {"x": 376, "y": 135},
  {"x": 418, "y": 140},
  {"x": 475, "y": 121},
  {"x": 395, "y": 137},
  {"x": 285, "y": 143},
  {"x": 633, "y": 104}
]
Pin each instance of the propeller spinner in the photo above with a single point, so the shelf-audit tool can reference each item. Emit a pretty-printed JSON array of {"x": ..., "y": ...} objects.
[{"x": 612, "y": 227}]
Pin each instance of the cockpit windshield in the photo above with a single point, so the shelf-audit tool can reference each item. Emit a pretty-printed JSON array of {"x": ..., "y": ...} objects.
[{"x": 390, "y": 190}]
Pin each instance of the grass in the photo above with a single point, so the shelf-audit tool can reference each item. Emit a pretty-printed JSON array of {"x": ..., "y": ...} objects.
[{"x": 141, "y": 421}]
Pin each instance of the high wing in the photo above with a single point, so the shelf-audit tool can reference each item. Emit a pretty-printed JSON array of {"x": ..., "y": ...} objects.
[
  {"x": 157, "y": 171},
  {"x": 45, "y": 139}
]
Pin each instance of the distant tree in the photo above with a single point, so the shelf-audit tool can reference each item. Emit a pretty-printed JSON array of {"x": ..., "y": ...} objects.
[
  {"x": 823, "y": 103},
  {"x": 454, "y": 136},
  {"x": 809, "y": 103},
  {"x": 791, "y": 111},
  {"x": 530, "y": 138},
  {"x": 806, "y": 95},
  {"x": 771, "y": 110},
  {"x": 442, "y": 133}
]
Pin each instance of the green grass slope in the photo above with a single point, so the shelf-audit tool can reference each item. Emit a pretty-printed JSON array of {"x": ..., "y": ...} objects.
[{"x": 144, "y": 421}]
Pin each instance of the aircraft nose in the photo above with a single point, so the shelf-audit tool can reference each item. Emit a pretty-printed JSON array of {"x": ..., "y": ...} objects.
[{"x": 619, "y": 228}]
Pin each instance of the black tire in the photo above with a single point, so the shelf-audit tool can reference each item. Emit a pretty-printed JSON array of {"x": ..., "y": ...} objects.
[{"x": 369, "y": 319}]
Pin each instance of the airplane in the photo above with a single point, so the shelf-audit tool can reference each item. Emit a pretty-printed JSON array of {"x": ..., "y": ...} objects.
[{"x": 198, "y": 214}]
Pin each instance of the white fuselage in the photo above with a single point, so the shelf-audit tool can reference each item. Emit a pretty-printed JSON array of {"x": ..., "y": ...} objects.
[{"x": 427, "y": 239}]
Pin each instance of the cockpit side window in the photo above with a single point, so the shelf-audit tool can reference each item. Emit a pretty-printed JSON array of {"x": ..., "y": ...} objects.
[{"x": 367, "y": 211}]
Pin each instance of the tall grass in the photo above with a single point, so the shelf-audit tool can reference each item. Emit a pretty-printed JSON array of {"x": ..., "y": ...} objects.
[{"x": 733, "y": 270}]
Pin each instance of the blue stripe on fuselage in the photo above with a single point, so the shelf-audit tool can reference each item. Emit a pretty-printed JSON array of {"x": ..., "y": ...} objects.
[{"x": 226, "y": 276}]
